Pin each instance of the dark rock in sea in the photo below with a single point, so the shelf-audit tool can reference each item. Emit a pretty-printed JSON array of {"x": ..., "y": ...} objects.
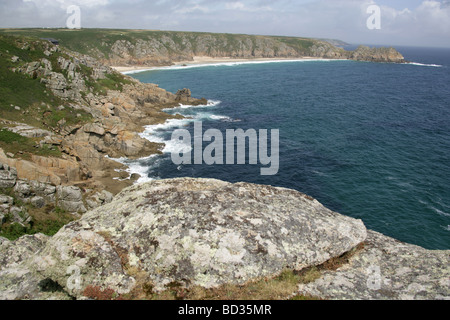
[
  {"x": 183, "y": 95},
  {"x": 364, "y": 53}
]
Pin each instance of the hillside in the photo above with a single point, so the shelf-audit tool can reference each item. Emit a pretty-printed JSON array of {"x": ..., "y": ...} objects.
[
  {"x": 61, "y": 114},
  {"x": 157, "y": 48}
]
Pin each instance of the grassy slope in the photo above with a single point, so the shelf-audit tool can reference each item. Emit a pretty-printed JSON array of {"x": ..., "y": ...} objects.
[
  {"x": 33, "y": 98},
  {"x": 26, "y": 92},
  {"x": 39, "y": 107},
  {"x": 19, "y": 89},
  {"x": 24, "y": 99}
]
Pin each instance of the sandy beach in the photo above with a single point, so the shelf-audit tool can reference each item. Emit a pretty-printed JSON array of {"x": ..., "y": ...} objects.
[{"x": 202, "y": 60}]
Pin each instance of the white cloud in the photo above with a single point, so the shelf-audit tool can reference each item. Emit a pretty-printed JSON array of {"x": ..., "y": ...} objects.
[
  {"x": 190, "y": 9},
  {"x": 66, "y": 3},
  {"x": 235, "y": 5},
  {"x": 412, "y": 22}
]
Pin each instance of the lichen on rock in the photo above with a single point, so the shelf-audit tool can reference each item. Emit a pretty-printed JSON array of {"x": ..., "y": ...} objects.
[
  {"x": 200, "y": 232},
  {"x": 386, "y": 269},
  {"x": 206, "y": 233}
]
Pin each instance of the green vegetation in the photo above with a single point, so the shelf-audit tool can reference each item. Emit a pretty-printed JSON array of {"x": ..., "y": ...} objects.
[
  {"x": 302, "y": 45},
  {"x": 101, "y": 86},
  {"x": 25, "y": 98},
  {"x": 96, "y": 42},
  {"x": 48, "y": 220},
  {"x": 284, "y": 286},
  {"x": 18, "y": 89},
  {"x": 23, "y": 147},
  {"x": 13, "y": 231}
]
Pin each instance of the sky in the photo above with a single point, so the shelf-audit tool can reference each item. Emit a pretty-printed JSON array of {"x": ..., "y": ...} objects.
[{"x": 402, "y": 22}]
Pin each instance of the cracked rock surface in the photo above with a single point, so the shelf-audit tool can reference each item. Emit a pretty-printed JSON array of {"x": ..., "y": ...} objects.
[
  {"x": 387, "y": 269},
  {"x": 195, "y": 232},
  {"x": 205, "y": 232}
]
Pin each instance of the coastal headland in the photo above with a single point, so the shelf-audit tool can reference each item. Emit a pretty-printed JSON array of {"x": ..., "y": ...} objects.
[{"x": 67, "y": 208}]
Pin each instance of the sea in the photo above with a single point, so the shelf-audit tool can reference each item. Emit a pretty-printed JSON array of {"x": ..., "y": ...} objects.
[{"x": 367, "y": 140}]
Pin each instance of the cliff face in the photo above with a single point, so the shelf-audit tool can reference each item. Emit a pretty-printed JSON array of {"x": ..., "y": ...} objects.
[
  {"x": 165, "y": 51},
  {"x": 161, "y": 48},
  {"x": 180, "y": 47}
]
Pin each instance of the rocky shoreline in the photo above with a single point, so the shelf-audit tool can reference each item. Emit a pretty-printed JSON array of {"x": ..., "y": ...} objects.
[
  {"x": 100, "y": 116},
  {"x": 118, "y": 115}
]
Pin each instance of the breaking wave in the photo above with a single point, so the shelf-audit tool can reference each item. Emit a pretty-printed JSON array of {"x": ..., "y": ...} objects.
[
  {"x": 228, "y": 64},
  {"x": 423, "y": 64}
]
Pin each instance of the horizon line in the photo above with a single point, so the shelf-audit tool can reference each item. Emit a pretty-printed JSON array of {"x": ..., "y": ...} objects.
[{"x": 232, "y": 33}]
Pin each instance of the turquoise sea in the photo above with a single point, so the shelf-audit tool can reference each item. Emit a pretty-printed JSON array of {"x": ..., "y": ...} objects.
[{"x": 368, "y": 140}]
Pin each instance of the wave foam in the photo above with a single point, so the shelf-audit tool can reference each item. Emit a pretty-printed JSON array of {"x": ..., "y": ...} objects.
[
  {"x": 135, "y": 167},
  {"x": 222, "y": 118},
  {"x": 423, "y": 64},
  {"x": 152, "y": 132},
  {"x": 155, "y": 133},
  {"x": 211, "y": 103},
  {"x": 440, "y": 212}
]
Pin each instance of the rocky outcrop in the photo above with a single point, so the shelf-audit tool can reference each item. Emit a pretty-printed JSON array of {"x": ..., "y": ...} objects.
[
  {"x": 54, "y": 171},
  {"x": 8, "y": 176},
  {"x": 65, "y": 78},
  {"x": 18, "y": 280},
  {"x": 195, "y": 232},
  {"x": 70, "y": 198},
  {"x": 29, "y": 131},
  {"x": 183, "y": 95},
  {"x": 13, "y": 253},
  {"x": 386, "y": 270},
  {"x": 114, "y": 109},
  {"x": 38, "y": 194},
  {"x": 364, "y": 53},
  {"x": 204, "y": 232}
]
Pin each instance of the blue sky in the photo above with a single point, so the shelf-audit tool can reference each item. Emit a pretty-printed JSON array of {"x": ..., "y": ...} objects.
[{"x": 403, "y": 22}]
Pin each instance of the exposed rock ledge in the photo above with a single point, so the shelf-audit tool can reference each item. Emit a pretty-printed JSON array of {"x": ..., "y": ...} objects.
[
  {"x": 207, "y": 232},
  {"x": 386, "y": 269}
]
